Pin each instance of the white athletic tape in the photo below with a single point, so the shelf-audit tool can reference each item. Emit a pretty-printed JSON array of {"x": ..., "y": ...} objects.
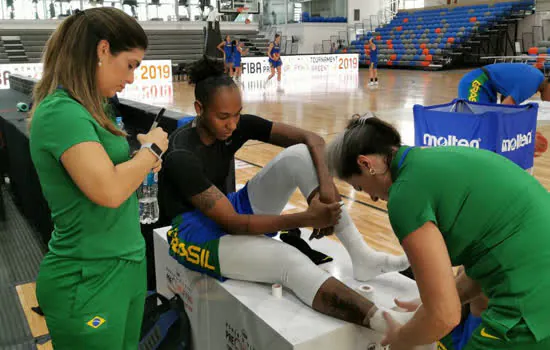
[
  {"x": 277, "y": 290},
  {"x": 397, "y": 308},
  {"x": 366, "y": 290}
]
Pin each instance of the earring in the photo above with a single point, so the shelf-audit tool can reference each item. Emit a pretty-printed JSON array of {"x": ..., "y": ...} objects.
[
  {"x": 372, "y": 172},
  {"x": 99, "y": 63}
]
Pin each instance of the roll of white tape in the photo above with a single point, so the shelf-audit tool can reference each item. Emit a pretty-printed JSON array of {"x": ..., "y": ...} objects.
[
  {"x": 366, "y": 290},
  {"x": 277, "y": 290}
]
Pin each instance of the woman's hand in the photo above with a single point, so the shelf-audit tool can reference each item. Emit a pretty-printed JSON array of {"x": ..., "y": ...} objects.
[
  {"x": 392, "y": 335},
  {"x": 157, "y": 166},
  {"x": 156, "y": 136},
  {"x": 323, "y": 215},
  {"x": 160, "y": 138},
  {"x": 408, "y": 306}
]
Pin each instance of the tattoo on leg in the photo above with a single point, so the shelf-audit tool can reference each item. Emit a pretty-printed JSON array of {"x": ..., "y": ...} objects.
[
  {"x": 337, "y": 300},
  {"x": 345, "y": 308}
]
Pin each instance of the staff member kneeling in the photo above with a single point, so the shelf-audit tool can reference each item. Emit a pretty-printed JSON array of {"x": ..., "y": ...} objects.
[
  {"x": 92, "y": 282},
  {"x": 458, "y": 206}
]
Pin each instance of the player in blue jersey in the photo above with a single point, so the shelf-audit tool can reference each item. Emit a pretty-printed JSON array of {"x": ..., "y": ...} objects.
[
  {"x": 373, "y": 67},
  {"x": 515, "y": 82},
  {"x": 238, "y": 51},
  {"x": 226, "y": 47},
  {"x": 274, "y": 54}
]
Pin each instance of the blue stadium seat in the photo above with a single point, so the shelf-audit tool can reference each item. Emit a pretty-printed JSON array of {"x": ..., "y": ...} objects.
[{"x": 420, "y": 37}]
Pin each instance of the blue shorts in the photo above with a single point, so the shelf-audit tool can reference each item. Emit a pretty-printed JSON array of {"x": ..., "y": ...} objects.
[
  {"x": 476, "y": 86},
  {"x": 275, "y": 64},
  {"x": 194, "y": 237},
  {"x": 237, "y": 63},
  {"x": 228, "y": 59},
  {"x": 459, "y": 337},
  {"x": 374, "y": 64}
]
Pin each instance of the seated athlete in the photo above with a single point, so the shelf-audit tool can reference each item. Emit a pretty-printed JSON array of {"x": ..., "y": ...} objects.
[
  {"x": 515, "y": 82},
  {"x": 223, "y": 234}
]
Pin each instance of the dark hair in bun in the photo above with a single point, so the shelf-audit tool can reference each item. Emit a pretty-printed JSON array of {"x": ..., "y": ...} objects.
[{"x": 208, "y": 74}]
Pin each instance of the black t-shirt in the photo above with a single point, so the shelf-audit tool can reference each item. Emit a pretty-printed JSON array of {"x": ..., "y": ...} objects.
[{"x": 190, "y": 167}]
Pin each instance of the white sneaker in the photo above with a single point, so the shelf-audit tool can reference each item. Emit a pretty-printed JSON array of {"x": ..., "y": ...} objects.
[
  {"x": 376, "y": 82},
  {"x": 371, "y": 83}
]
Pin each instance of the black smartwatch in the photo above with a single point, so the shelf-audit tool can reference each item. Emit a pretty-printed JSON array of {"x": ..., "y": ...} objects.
[{"x": 154, "y": 149}]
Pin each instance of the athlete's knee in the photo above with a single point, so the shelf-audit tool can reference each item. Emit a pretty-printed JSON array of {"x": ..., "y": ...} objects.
[
  {"x": 297, "y": 158},
  {"x": 300, "y": 274}
]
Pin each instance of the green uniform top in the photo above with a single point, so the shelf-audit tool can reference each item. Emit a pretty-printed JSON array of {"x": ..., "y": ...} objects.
[
  {"x": 495, "y": 221},
  {"x": 82, "y": 228}
]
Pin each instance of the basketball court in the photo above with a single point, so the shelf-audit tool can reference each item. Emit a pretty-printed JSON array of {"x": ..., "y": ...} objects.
[{"x": 316, "y": 97}]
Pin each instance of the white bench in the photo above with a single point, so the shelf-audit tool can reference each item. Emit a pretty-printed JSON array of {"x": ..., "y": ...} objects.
[{"x": 244, "y": 315}]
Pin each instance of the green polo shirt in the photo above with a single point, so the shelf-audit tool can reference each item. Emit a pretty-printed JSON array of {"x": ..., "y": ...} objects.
[
  {"x": 495, "y": 220},
  {"x": 82, "y": 228}
]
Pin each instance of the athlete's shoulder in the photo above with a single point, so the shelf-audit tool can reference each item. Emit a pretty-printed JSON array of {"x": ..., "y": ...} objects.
[{"x": 184, "y": 138}]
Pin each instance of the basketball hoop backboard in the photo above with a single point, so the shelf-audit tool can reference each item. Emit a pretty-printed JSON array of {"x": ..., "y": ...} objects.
[{"x": 239, "y": 6}]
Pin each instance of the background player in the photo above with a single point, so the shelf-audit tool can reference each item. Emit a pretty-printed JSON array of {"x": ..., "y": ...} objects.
[
  {"x": 226, "y": 47},
  {"x": 238, "y": 51},
  {"x": 515, "y": 82},
  {"x": 274, "y": 54},
  {"x": 373, "y": 67}
]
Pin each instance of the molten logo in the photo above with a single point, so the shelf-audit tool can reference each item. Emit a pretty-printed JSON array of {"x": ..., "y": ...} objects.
[
  {"x": 521, "y": 140},
  {"x": 450, "y": 140}
]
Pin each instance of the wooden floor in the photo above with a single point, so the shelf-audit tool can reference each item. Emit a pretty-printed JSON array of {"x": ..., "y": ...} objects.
[
  {"x": 325, "y": 105},
  {"x": 37, "y": 323}
]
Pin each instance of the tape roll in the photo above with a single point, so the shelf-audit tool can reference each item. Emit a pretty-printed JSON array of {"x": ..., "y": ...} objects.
[
  {"x": 22, "y": 107},
  {"x": 277, "y": 290},
  {"x": 366, "y": 290}
]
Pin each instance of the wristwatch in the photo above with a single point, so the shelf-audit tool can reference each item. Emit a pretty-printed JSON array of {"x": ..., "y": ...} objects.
[{"x": 154, "y": 149}]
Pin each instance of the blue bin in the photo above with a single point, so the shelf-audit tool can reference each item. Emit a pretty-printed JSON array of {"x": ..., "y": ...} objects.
[{"x": 507, "y": 130}]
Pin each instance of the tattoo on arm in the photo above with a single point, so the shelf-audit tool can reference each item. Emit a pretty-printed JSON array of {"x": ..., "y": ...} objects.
[{"x": 206, "y": 200}]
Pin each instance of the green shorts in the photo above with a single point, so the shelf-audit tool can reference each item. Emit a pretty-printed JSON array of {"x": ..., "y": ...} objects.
[
  {"x": 484, "y": 338},
  {"x": 520, "y": 338},
  {"x": 92, "y": 304}
]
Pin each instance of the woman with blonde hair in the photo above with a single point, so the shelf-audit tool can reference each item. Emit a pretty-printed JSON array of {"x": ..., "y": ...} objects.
[{"x": 92, "y": 282}]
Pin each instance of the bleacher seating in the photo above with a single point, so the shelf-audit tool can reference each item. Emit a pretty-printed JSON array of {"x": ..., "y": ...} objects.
[
  {"x": 540, "y": 54},
  {"x": 182, "y": 47},
  {"x": 320, "y": 19},
  {"x": 430, "y": 37}
]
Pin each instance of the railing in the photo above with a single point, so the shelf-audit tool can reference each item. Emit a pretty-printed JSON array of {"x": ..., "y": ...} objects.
[{"x": 537, "y": 61}]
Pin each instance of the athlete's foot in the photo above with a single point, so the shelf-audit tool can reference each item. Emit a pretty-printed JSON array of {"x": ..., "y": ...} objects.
[{"x": 371, "y": 264}]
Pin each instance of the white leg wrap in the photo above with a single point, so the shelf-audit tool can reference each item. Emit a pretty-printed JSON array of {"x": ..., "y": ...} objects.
[{"x": 266, "y": 260}]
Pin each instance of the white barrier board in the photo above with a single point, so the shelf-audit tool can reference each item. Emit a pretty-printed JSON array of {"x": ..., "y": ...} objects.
[
  {"x": 149, "y": 72},
  {"x": 254, "y": 67},
  {"x": 240, "y": 315}
]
